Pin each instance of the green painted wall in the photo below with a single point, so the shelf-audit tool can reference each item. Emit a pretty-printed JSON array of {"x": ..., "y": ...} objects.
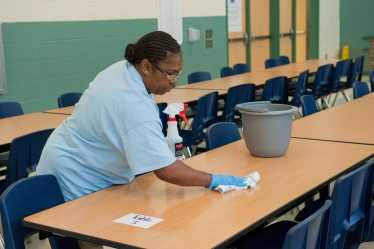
[
  {"x": 274, "y": 28},
  {"x": 46, "y": 59},
  {"x": 313, "y": 29},
  {"x": 199, "y": 58},
  {"x": 356, "y": 21}
]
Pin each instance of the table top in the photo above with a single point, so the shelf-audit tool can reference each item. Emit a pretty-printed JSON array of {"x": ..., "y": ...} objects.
[
  {"x": 259, "y": 77},
  {"x": 64, "y": 111},
  {"x": 350, "y": 122},
  {"x": 175, "y": 95},
  {"x": 194, "y": 217},
  {"x": 184, "y": 95},
  {"x": 21, "y": 125}
]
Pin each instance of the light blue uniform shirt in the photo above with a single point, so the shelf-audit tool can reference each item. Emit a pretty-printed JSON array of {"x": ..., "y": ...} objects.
[{"x": 114, "y": 134}]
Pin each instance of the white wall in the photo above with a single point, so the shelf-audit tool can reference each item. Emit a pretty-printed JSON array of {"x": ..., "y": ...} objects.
[
  {"x": 66, "y": 10},
  {"x": 329, "y": 25}
]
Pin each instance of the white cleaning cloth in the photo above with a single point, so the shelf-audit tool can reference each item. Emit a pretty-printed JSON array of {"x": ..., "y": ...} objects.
[{"x": 251, "y": 181}]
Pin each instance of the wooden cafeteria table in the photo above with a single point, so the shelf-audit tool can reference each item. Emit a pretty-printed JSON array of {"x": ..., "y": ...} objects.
[
  {"x": 17, "y": 126},
  {"x": 194, "y": 217},
  {"x": 351, "y": 123},
  {"x": 175, "y": 95},
  {"x": 259, "y": 77}
]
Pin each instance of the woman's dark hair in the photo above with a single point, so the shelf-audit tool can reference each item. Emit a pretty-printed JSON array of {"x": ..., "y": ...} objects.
[{"x": 153, "y": 46}]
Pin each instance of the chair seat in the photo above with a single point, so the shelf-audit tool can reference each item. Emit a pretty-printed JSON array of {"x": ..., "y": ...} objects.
[{"x": 269, "y": 237}]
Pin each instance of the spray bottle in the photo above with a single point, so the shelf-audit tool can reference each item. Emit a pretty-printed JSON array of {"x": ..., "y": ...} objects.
[{"x": 175, "y": 141}]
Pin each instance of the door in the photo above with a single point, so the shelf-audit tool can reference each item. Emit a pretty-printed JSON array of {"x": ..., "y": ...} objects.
[
  {"x": 292, "y": 29},
  {"x": 285, "y": 28},
  {"x": 260, "y": 33},
  {"x": 301, "y": 30},
  {"x": 237, "y": 31}
]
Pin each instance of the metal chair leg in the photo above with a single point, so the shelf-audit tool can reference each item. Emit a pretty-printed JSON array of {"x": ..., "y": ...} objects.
[{"x": 346, "y": 96}]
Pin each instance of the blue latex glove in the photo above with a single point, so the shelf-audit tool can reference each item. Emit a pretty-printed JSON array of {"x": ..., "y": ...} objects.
[{"x": 226, "y": 180}]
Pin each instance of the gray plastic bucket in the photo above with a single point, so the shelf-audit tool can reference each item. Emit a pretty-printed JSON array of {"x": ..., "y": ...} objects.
[{"x": 266, "y": 127}]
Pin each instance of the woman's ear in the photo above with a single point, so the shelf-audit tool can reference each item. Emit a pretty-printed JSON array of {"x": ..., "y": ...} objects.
[{"x": 145, "y": 67}]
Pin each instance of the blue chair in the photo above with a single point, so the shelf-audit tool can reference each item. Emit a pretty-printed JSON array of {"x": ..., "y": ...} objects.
[
  {"x": 308, "y": 105},
  {"x": 26, "y": 197},
  {"x": 322, "y": 83},
  {"x": 272, "y": 62},
  {"x": 221, "y": 133},
  {"x": 343, "y": 69},
  {"x": 357, "y": 68},
  {"x": 237, "y": 95},
  {"x": 284, "y": 60},
  {"x": 10, "y": 109},
  {"x": 369, "y": 226},
  {"x": 308, "y": 234},
  {"x": 205, "y": 115},
  {"x": 277, "y": 61},
  {"x": 300, "y": 88},
  {"x": 348, "y": 210},
  {"x": 198, "y": 76},
  {"x": 275, "y": 90},
  {"x": 24, "y": 155},
  {"x": 371, "y": 78},
  {"x": 240, "y": 68},
  {"x": 360, "y": 89},
  {"x": 227, "y": 71},
  {"x": 68, "y": 99}
]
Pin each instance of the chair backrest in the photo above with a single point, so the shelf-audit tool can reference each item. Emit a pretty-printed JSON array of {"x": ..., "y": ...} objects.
[
  {"x": 308, "y": 105},
  {"x": 221, "y": 133},
  {"x": 284, "y": 60},
  {"x": 236, "y": 95},
  {"x": 311, "y": 232},
  {"x": 10, "y": 109},
  {"x": 272, "y": 62},
  {"x": 240, "y": 68},
  {"x": 277, "y": 61},
  {"x": 198, "y": 76},
  {"x": 68, "y": 99},
  {"x": 360, "y": 89},
  {"x": 343, "y": 68},
  {"x": 348, "y": 208},
  {"x": 275, "y": 90},
  {"x": 323, "y": 80},
  {"x": 24, "y": 155},
  {"x": 300, "y": 89},
  {"x": 26, "y": 197},
  {"x": 227, "y": 71},
  {"x": 206, "y": 114},
  {"x": 163, "y": 116},
  {"x": 371, "y": 78},
  {"x": 357, "y": 68}
]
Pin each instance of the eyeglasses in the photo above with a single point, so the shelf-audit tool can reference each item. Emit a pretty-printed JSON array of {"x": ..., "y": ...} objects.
[{"x": 170, "y": 76}]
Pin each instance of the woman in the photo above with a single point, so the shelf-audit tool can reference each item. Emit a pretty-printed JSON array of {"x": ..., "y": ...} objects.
[{"x": 115, "y": 132}]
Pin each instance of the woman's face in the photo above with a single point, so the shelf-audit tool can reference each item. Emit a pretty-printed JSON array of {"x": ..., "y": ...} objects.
[{"x": 161, "y": 77}]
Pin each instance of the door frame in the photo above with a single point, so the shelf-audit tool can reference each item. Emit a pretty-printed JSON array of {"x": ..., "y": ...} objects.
[
  {"x": 312, "y": 42},
  {"x": 248, "y": 29}
]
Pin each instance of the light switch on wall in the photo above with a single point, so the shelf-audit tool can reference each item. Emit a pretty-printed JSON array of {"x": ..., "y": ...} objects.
[{"x": 209, "y": 38}]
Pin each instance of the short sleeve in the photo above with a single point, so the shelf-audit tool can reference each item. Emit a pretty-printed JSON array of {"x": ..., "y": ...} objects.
[{"x": 146, "y": 148}]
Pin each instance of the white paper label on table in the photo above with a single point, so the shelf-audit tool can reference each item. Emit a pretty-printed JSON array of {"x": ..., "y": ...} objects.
[{"x": 138, "y": 220}]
